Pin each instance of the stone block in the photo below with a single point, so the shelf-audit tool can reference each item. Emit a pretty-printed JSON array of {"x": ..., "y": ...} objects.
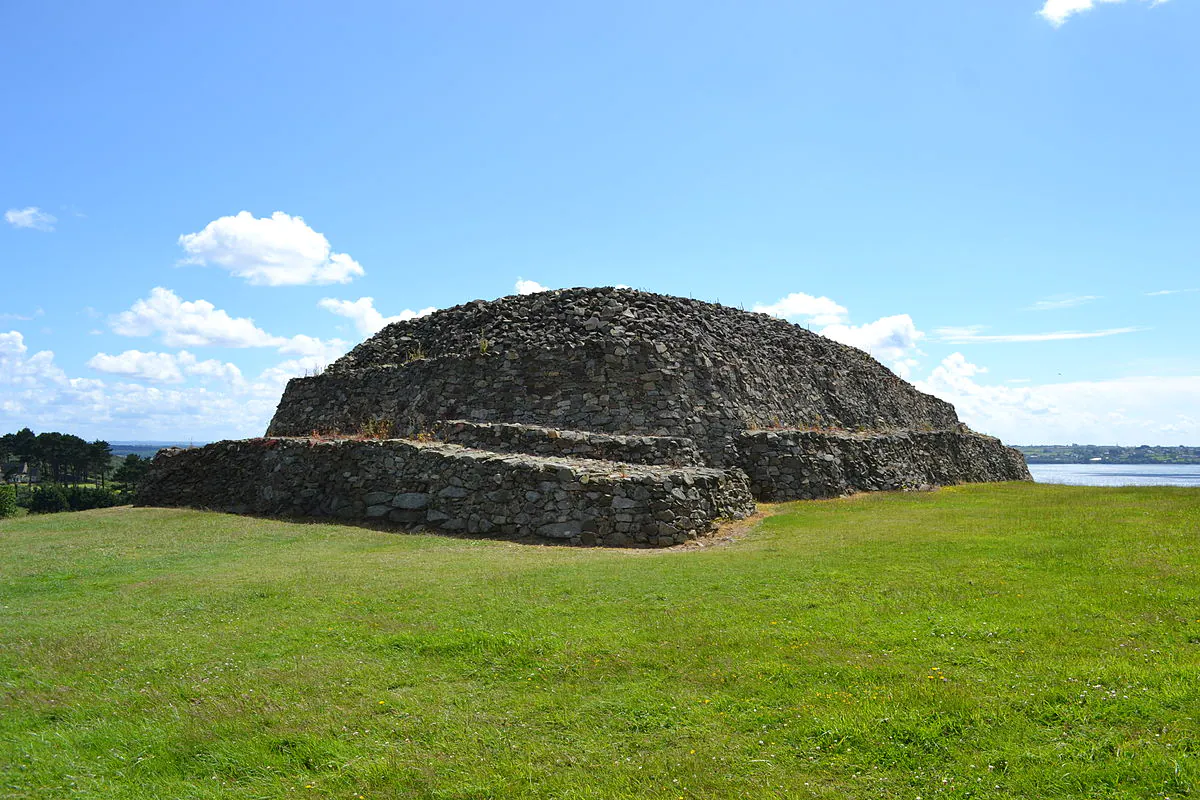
[{"x": 411, "y": 500}]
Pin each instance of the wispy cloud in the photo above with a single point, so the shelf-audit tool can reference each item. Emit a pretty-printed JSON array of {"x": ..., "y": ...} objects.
[
  {"x": 1135, "y": 410},
  {"x": 31, "y": 217},
  {"x": 1056, "y": 12},
  {"x": 1162, "y": 292},
  {"x": 973, "y": 335},
  {"x": 23, "y": 317},
  {"x": 1055, "y": 303}
]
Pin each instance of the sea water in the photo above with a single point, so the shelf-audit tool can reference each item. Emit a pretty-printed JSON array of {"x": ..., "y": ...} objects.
[{"x": 1117, "y": 474}]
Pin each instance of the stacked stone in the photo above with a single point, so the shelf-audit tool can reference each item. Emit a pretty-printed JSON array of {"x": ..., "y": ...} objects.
[
  {"x": 807, "y": 465},
  {"x": 540, "y": 440},
  {"x": 452, "y": 488},
  {"x": 590, "y": 416},
  {"x": 607, "y": 360}
]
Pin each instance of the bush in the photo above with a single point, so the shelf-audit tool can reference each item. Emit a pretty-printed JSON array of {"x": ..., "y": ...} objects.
[
  {"x": 8, "y": 500},
  {"x": 81, "y": 498},
  {"x": 48, "y": 500}
]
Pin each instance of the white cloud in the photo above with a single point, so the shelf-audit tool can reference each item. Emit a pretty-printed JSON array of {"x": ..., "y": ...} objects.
[
  {"x": 279, "y": 250},
  {"x": 183, "y": 323},
  {"x": 1055, "y": 304},
  {"x": 892, "y": 339},
  {"x": 366, "y": 318},
  {"x": 198, "y": 323},
  {"x": 210, "y": 369},
  {"x": 529, "y": 287},
  {"x": 34, "y": 391},
  {"x": 971, "y": 335},
  {"x": 32, "y": 217},
  {"x": 320, "y": 351},
  {"x": 805, "y": 307},
  {"x": 1165, "y": 292},
  {"x": 1056, "y": 12},
  {"x": 276, "y": 377},
  {"x": 16, "y": 369},
  {"x": 165, "y": 367},
  {"x": 1127, "y": 411},
  {"x": 156, "y": 367},
  {"x": 904, "y": 367}
]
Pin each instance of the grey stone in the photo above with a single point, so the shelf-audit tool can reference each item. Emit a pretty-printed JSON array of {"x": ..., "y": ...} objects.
[
  {"x": 677, "y": 417},
  {"x": 411, "y": 500},
  {"x": 560, "y": 530}
]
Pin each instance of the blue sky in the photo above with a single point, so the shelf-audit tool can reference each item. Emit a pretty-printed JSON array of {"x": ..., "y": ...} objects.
[{"x": 996, "y": 199}]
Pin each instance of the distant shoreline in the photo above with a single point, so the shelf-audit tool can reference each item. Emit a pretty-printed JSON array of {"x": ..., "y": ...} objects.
[
  {"x": 1143, "y": 455},
  {"x": 147, "y": 449}
]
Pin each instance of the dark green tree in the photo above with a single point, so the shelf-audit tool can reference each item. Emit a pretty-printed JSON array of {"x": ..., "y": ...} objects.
[
  {"x": 99, "y": 460},
  {"x": 131, "y": 471},
  {"x": 48, "y": 500}
]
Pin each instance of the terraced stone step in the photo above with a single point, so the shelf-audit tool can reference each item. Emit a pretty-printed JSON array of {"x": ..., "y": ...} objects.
[
  {"x": 811, "y": 464},
  {"x": 506, "y": 437},
  {"x": 452, "y": 488}
]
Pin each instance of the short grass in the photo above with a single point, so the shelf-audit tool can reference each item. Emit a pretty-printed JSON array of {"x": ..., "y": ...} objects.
[{"x": 989, "y": 641}]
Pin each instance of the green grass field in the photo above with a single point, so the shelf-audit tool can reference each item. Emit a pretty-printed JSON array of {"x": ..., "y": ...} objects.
[{"x": 1011, "y": 640}]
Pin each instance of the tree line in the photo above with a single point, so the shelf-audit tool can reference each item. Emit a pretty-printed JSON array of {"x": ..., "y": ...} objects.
[
  {"x": 1108, "y": 454},
  {"x": 53, "y": 471}
]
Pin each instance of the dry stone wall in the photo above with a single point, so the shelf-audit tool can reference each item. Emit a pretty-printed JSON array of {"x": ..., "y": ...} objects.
[
  {"x": 608, "y": 360},
  {"x": 539, "y": 440},
  {"x": 588, "y": 416},
  {"x": 451, "y": 488},
  {"x": 807, "y": 465}
]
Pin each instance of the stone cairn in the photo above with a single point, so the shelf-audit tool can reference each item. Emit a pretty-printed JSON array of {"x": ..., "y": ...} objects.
[{"x": 584, "y": 416}]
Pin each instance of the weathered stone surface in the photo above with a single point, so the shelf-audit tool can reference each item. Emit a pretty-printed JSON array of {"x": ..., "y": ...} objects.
[
  {"x": 303, "y": 477},
  {"x": 589, "y": 416},
  {"x": 503, "y": 437},
  {"x": 794, "y": 465},
  {"x": 411, "y": 500},
  {"x": 658, "y": 365}
]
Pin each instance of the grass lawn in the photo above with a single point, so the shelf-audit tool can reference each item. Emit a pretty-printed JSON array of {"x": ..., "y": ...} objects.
[{"x": 1010, "y": 640}]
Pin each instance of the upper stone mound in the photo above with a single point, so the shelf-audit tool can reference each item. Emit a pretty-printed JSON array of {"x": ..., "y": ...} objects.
[
  {"x": 571, "y": 318},
  {"x": 610, "y": 360}
]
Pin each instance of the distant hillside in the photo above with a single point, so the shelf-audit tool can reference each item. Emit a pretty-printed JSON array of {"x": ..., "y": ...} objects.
[
  {"x": 1108, "y": 454},
  {"x": 146, "y": 449}
]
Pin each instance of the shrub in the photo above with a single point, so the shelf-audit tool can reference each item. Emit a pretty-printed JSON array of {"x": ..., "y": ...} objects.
[
  {"x": 8, "y": 500},
  {"x": 48, "y": 500},
  {"x": 81, "y": 498}
]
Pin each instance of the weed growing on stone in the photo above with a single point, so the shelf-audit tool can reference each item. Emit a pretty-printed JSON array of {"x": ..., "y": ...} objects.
[{"x": 376, "y": 428}]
